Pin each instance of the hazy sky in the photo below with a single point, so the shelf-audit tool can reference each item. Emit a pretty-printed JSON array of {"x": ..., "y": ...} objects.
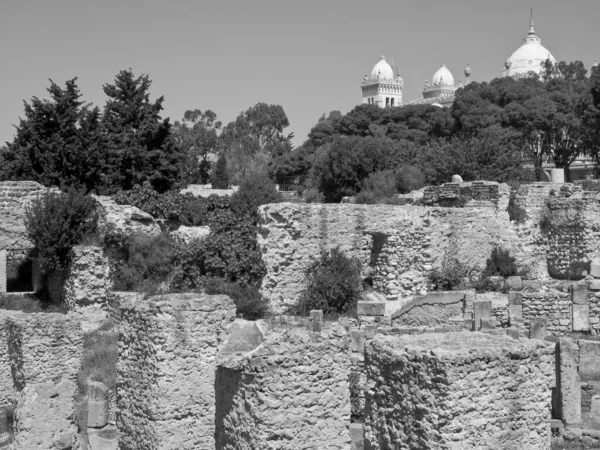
[{"x": 308, "y": 55}]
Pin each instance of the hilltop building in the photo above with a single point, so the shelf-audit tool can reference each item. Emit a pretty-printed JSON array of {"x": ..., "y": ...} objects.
[
  {"x": 442, "y": 88},
  {"x": 384, "y": 86},
  {"x": 529, "y": 57}
]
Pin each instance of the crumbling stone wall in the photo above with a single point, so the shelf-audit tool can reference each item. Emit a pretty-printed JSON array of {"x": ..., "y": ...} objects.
[
  {"x": 290, "y": 235},
  {"x": 553, "y": 304},
  {"x": 291, "y": 392},
  {"x": 42, "y": 355},
  {"x": 458, "y": 391},
  {"x": 166, "y": 370},
  {"x": 479, "y": 194},
  {"x": 435, "y": 309}
]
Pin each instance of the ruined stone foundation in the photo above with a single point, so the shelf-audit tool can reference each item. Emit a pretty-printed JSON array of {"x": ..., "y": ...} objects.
[{"x": 458, "y": 391}]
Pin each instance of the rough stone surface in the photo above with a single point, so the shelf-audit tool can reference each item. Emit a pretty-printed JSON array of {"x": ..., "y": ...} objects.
[
  {"x": 514, "y": 283},
  {"x": 166, "y": 370},
  {"x": 15, "y": 198},
  {"x": 124, "y": 218},
  {"x": 570, "y": 382},
  {"x": 400, "y": 244},
  {"x": 538, "y": 328},
  {"x": 453, "y": 391},
  {"x": 482, "y": 309},
  {"x": 44, "y": 352},
  {"x": 2, "y": 271},
  {"x": 589, "y": 360},
  {"x": 290, "y": 393},
  {"x": 185, "y": 235}
]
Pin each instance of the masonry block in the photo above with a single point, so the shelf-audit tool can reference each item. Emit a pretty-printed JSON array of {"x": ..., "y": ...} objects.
[
  {"x": 316, "y": 316},
  {"x": 488, "y": 323},
  {"x": 2, "y": 271},
  {"x": 532, "y": 285},
  {"x": 515, "y": 298},
  {"x": 513, "y": 332},
  {"x": 370, "y": 330},
  {"x": 514, "y": 283},
  {"x": 595, "y": 409},
  {"x": 357, "y": 340},
  {"x": 365, "y": 308},
  {"x": 481, "y": 309},
  {"x": 594, "y": 285},
  {"x": 515, "y": 315},
  {"x": 579, "y": 293},
  {"x": 595, "y": 268},
  {"x": 589, "y": 360},
  {"x": 538, "y": 328},
  {"x": 570, "y": 382},
  {"x": 580, "y": 315},
  {"x": 97, "y": 404},
  {"x": 357, "y": 436}
]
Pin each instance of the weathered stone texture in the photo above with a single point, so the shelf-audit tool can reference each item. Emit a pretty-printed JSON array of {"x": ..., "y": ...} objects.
[
  {"x": 458, "y": 391},
  {"x": 570, "y": 383},
  {"x": 124, "y": 218},
  {"x": 166, "y": 370},
  {"x": 418, "y": 238},
  {"x": 185, "y": 235},
  {"x": 291, "y": 392},
  {"x": 480, "y": 194},
  {"x": 552, "y": 304},
  {"x": 44, "y": 352},
  {"x": 15, "y": 197},
  {"x": 443, "y": 309}
]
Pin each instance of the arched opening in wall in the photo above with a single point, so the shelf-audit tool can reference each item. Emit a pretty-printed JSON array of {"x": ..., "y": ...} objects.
[
  {"x": 392, "y": 102},
  {"x": 387, "y": 102}
]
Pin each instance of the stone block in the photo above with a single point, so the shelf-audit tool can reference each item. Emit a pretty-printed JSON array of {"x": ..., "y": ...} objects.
[
  {"x": 365, "y": 308},
  {"x": 316, "y": 317},
  {"x": 357, "y": 436},
  {"x": 370, "y": 330},
  {"x": 570, "y": 382},
  {"x": 580, "y": 315},
  {"x": 514, "y": 283},
  {"x": 594, "y": 285},
  {"x": 103, "y": 439},
  {"x": 481, "y": 308},
  {"x": 538, "y": 328},
  {"x": 488, "y": 323},
  {"x": 595, "y": 268},
  {"x": 497, "y": 283},
  {"x": 357, "y": 340},
  {"x": 532, "y": 285},
  {"x": 589, "y": 360},
  {"x": 98, "y": 408},
  {"x": 2, "y": 271},
  {"x": 244, "y": 336},
  {"x": 513, "y": 332},
  {"x": 579, "y": 293},
  {"x": 515, "y": 315},
  {"x": 595, "y": 409},
  {"x": 515, "y": 298}
]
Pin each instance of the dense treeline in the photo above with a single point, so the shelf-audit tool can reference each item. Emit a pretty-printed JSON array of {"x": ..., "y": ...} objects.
[{"x": 489, "y": 132}]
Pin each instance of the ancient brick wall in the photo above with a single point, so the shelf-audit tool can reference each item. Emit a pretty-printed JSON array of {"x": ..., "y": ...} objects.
[
  {"x": 555, "y": 305},
  {"x": 166, "y": 370},
  {"x": 291, "y": 235},
  {"x": 479, "y": 194},
  {"x": 291, "y": 392},
  {"x": 458, "y": 390}
]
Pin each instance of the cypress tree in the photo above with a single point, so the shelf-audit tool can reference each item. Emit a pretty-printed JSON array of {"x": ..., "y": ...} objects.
[{"x": 220, "y": 179}]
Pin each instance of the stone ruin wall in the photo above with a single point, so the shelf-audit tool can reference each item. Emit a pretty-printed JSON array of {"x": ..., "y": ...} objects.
[
  {"x": 291, "y": 392},
  {"x": 411, "y": 240},
  {"x": 40, "y": 357},
  {"x": 458, "y": 391},
  {"x": 166, "y": 370}
]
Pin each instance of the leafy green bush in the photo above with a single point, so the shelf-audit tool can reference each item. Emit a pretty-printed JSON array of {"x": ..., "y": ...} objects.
[
  {"x": 452, "y": 275},
  {"x": 378, "y": 187},
  {"x": 148, "y": 262},
  {"x": 183, "y": 208},
  {"x": 249, "y": 303},
  {"x": 333, "y": 284},
  {"x": 256, "y": 189},
  {"x": 500, "y": 263},
  {"x": 56, "y": 222},
  {"x": 409, "y": 178}
]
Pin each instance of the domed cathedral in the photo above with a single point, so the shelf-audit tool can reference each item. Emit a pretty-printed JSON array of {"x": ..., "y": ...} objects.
[
  {"x": 384, "y": 86},
  {"x": 442, "y": 89},
  {"x": 529, "y": 57}
]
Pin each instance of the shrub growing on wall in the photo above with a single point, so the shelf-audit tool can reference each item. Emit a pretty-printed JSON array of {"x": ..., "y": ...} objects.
[
  {"x": 56, "y": 222},
  {"x": 248, "y": 300},
  {"x": 500, "y": 263},
  {"x": 450, "y": 276},
  {"x": 333, "y": 284}
]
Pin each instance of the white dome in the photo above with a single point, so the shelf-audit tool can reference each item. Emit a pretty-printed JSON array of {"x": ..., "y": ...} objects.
[
  {"x": 383, "y": 70},
  {"x": 443, "y": 76},
  {"x": 529, "y": 57}
]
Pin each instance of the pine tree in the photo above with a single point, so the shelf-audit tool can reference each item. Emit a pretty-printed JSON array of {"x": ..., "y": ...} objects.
[
  {"x": 220, "y": 178},
  {"x": 140, "y": 145},
  {"x": 57, "y": 143}
]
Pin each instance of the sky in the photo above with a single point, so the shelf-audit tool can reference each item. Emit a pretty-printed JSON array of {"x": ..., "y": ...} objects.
[{"x": 308, "y": 56}]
